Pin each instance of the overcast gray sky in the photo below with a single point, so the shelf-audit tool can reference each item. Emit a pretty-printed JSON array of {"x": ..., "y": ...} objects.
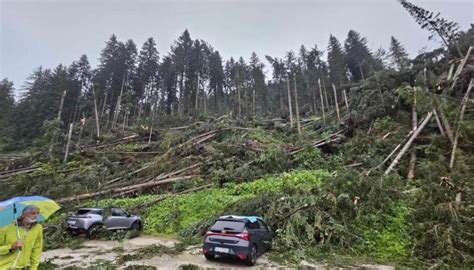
[{"x": 48, "y": 32}]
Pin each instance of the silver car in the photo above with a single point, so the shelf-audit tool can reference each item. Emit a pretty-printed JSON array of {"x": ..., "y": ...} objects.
[{"x": 91, "y": 220}]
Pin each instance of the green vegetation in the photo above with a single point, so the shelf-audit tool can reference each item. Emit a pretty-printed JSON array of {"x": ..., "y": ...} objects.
[{"x": 178, "y": 212}]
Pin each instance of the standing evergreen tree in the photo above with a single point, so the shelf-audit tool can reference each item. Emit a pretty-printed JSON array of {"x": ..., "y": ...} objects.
[
  {"x": 168, "y": 75},
  {"x": 258, "y": 83},
  {"x": 336, "y": 62},
  {"x": 398, "y": 54},
  {"x": 279, "y": 75},
  {"x": 7, "y": 106},
  {"x": 146, "y": 84},
  {"x": 216, "y": 80},
  {"x": 359, "y": 59},
  {"x": 181, "y": 54}
]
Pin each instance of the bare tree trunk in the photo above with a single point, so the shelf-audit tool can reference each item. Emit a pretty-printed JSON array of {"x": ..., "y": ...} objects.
[
  {"x": 345, "y": 99},
  {"x": 117, "y": 106},
  {"x": 447, "y": 126},
  {"x": 103, "y": 107},
  {"x": 361, "y": 72},
  {"x": 461, "y": 67},
  {"x": 196, "y": 100},
  {"x": 450, "y": 73},
  {"x": 289, "y": 102},
  {"x": 60, "y": 111},
  {"x": 336, "y": 103},
  {"x": 83, "y": 123},
  {"x": 282, "y": 94},
  {"x": 438, "y": 122},
  {"x": 66, "y": 154},
  {"x": 326, "y": 95},
  {"x": 322, "y": 100},
  {"x": 97, "y": 122},
  {"x": 414, "y": 123},
  {"x": 298, "y": 124},
  {"x": 460, "y": 120},
  {"x": 313, "y": 94},
  {"x": 204, "y": 99},
  {"x": 238, "y": 95},
  {"x": 253, "y": 100},
  {"x": 408, "y": 144}
]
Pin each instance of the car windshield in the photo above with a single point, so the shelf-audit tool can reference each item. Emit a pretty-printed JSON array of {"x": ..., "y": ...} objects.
[{"x": 228, "y": 225}]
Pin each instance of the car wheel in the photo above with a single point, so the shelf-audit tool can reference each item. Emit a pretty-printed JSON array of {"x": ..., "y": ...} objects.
[
  {"x": 93, "y": 231},
  {"x": 136, "y": 226},
  {"x": 210, "y": 257},
  {"x": 252, "y": 258}
]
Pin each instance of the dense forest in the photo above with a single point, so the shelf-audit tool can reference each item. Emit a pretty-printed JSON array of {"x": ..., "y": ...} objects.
[{"x": 345, "y": 149}]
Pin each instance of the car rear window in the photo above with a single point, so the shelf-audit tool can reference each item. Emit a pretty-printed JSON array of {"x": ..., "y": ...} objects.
[
  {"x": 88, "y": 211},
  {"x": 228, "y": 226}
]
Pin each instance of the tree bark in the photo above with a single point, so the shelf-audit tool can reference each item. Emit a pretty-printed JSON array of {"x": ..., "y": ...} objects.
[
  {"x": 345, "y": 99},
  {"x": 66, "y": 154},
  {"x": 298, "y": 124},
  {"x": 438, "y": 122},
  {"x": 97, "y": 121},
  {"x": 414, "y": 123},
  {"x": 447, "y": 126},
  {"x": 60, "y": 111},
  {"x": 408, "y": 144},
  {"x": 460, "y": 120},
  {"x": 322, "y": 101},
  {"x": 336, "y": 103},
  {"x": 289, "y": 102},
  {"x": 117, "y": 106}
]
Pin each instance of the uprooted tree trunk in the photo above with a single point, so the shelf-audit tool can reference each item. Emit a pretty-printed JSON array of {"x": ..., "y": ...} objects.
[{"x": 409, "y": 143}]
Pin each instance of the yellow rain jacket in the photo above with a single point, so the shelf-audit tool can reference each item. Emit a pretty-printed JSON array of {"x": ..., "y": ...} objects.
[{"x": 30, "y": 254}]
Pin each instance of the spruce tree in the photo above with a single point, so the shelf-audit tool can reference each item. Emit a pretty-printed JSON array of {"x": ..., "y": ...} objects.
[
  {"x": 360, "y": 61},
  {"x": 448, "y": 31},
  {"x": 398, "y": 54},
  {"x": 336, "y": 62},
  {"x": 7, "y": 106}
]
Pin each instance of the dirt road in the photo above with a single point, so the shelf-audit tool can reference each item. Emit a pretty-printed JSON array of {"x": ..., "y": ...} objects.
[{"x": 98, "y": 252}]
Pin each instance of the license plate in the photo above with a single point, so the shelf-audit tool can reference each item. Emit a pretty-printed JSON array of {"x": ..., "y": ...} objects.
[
  {"x": 221, "y": 250},
  {"x": 71, "y": 222}
]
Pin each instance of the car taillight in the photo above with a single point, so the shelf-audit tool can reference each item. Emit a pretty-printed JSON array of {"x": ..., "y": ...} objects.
[{"x": 244, "y": 235}]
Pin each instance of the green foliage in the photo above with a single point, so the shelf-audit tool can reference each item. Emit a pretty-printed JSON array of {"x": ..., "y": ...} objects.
[
  {"x": 385, "y": 235},
  {"x": 274, "y": 158},
  {"x": 309, "y": 159},
  {"x": 123, "y": 202},
  {"x": 383, "y": 124},
  {"x": 179, "y": 212}
]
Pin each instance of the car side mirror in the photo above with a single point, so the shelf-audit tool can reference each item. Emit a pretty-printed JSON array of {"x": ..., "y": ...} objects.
[{"x": 128, "y": 215}]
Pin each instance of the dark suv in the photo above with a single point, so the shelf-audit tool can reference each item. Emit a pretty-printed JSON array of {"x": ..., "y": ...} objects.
[{"x": 243, "y": 237}]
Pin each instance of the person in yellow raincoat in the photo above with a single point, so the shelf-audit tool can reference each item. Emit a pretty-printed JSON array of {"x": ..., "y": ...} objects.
[{"x": 21, "y": 247}]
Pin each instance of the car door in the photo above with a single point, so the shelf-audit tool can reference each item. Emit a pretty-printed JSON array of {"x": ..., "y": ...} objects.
[
  {"x": 256, "y": 235},
  {"x": 266, "y": 235},
  {"x": 254, "y": 232},
  {"x": 117, "y": 220}
]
